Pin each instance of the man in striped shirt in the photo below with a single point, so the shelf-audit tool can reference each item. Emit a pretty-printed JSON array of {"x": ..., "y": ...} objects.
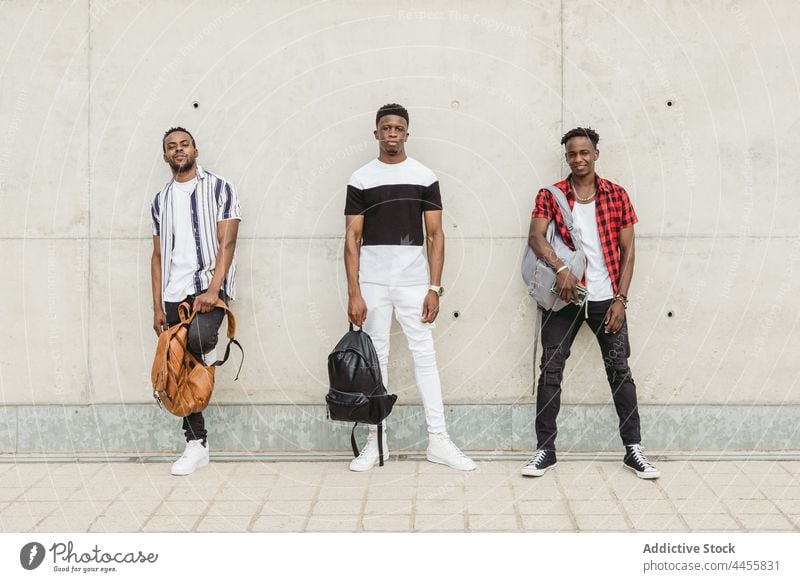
[{"x": 195, "y": 222}]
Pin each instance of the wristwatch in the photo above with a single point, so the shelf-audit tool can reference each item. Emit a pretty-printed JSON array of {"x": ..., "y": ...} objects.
[{"x": 436, "y": 289}]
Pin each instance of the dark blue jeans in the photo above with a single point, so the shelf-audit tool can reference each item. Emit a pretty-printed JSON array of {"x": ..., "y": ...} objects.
[
  {"x": 202, "y": 338},
  {"x": 559, "y": 329}
]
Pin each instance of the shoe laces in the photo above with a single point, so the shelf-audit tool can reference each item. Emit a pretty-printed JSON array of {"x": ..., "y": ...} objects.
[
  {"x": 445, "y": 438},
  {"x": 371, "y": 446},
  {"x": 638, "y": 454},
  {"x": 537, "y": 458}
]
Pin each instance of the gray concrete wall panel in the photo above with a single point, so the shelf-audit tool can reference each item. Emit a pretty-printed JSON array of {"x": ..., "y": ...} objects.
[{"x": 43, "y": 119}]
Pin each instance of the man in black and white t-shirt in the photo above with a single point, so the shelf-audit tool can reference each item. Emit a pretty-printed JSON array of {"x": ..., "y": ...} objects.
[
  {"x": 195, "y": 222},
  {"x": 387, "y": 201}
]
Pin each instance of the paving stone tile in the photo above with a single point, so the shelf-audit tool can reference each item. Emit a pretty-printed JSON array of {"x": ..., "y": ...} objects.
[
  {"x": 739, "y": 492},
  {"x": 748, "y": 506},
  {"x": 282, "y": 507},
  {"x": 339, "y": 492},
  {"x": 200, "y": 493},
  {"x": 165, "y": 523},
  {"x": 218, "y": 523},
  {"x": 647, "y": 506},
  {"x": 391, "y": 493},
  {"x": 780, "y": 492},
  {"x": 388, "y": 506},
  {"x": 18, "y": 523},
  {"x": 788, "y": 505},
  {"x": 572, "y": 491},
  {"x": 439, "y": 523},
  {"x": 440, "y": 507},
  {"x": 295, "y": 493},
  {"x": 321, "y": 523},
  {"x": 279, "y": 523},
  {"x": 436, "y": 493},
  {"x": 543, "y": 507},
  {"x": 234, "y": 508},
  {"x": 595, "y": 507},
  {"x": 768, "y": 522},
  {"x": 392, "y": 523},
  {"x": 10, "y": 493},
  {"x": 490, "y": 507},
  {"x": 60, "y": 523},
  {"x": 502, "y": 523},
  {"x": 337, "y": 507},
  {"x": 710, "y": 522},
  {"x": 48, "y": 494},
  {"x": 128, "y": 508},
  {"x": 242, "y": 493},
  {"x": 601, "y": 523},
  {"x": 499, "y": 493},
  {"x": 547, "y": 523},
  {"x": 111, "y": 492},
  {"x": 656, "y": 522},
  {"x": 700, "y": 506},
  {"x": 172, "y": 508},
  {"x": 447, "y": 480},
  {"x": 30, "y": 508},
  {"x": 118, "y": 523}
]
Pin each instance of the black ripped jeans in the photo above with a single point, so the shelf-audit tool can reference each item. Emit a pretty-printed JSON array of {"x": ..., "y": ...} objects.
[
  {"x": 559, "y": 329},
  {"x": 202, "y": 338}
]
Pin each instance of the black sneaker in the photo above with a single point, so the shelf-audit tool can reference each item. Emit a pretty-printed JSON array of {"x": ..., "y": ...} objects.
[
  {"x": 542, "y": 461},
  {"x": 638, "y": 463}
]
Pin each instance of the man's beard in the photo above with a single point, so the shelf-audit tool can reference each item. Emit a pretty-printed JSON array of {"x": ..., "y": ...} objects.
[{"x": 185, "y": 166}]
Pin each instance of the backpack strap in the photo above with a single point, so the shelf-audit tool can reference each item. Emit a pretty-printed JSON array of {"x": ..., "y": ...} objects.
[
  {"x": 353, "y": 440},
  {"x": 566, "y": 214},
  {"x": 231, "y": 337},
  {"x": 380, "y": 442},
  {"x": 536, "y": 333}
]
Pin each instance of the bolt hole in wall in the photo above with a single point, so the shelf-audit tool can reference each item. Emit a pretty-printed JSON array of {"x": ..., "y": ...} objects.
[
  {"x": 195, "y": 104},
  {"x": 670, "y": 102},
  {"x": 456, "y": 314},
  {"x": 670, "y": 313}
]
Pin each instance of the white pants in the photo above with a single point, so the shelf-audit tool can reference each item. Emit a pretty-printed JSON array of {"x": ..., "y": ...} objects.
[{"x": 406, "y": 302}]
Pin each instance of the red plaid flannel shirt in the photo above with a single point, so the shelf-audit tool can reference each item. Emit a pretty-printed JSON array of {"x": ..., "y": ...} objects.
[{"x": 613, "y": 210}]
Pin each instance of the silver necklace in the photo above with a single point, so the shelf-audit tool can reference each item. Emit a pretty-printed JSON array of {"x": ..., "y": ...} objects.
[{"x": 578, "y": 196}]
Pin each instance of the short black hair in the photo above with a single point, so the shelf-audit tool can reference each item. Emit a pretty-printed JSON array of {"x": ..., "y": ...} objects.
[
  {"x": 173, "y": 130},
  {"x": 581, "y": 132},
  {"x": 391, "y": 109}
]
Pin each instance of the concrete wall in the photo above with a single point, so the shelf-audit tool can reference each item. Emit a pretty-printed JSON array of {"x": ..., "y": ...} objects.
[{"x": 695, "y": 104}]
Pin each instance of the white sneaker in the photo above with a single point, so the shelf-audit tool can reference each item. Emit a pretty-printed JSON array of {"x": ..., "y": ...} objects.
[
  {"x": 442, "y": 450},
  {"x": 369, "y": 454},
  {"x": 194, "y": 456}
]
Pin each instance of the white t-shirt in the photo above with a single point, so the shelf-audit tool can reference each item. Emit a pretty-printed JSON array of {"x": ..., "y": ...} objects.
[
  {"x": 184, "y": 255},
  {"x": 598, "y": 281}
]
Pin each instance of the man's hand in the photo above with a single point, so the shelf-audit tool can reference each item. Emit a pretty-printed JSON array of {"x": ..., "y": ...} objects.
[
  {"x": 205, "y": 302},
  {"x": 566, "y": 283},
  {"x": 159, "y": 321},
  {"x": 430, "y": 307},
  {"x": 357, "y": 310},
  {"x": 615, "y": 317}
]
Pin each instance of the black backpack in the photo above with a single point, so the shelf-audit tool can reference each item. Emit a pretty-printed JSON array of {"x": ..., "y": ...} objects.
[{"x": 357, "y": 393}]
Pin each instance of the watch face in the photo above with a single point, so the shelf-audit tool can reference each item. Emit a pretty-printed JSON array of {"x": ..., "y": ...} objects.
[{"x": 441, "y": 291}]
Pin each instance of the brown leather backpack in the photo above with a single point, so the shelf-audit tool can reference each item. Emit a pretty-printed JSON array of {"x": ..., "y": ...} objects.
[{"x": 181, "y": 383}]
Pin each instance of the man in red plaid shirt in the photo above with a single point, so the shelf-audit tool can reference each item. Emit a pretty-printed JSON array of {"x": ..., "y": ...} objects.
[{"x": 603, "y": 213}]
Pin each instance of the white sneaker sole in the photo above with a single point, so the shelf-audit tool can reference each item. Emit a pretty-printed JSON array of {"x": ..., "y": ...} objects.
[
  {"x": 649, "y": 475},
  {"x": 183, "y": 473},
  {"x": 536, "y": 472},
  {"x": 377, "y": 463},
  {"x": 466, "y": 467}
]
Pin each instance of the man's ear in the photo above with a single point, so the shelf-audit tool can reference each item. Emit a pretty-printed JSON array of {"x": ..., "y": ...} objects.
[{"x": 375, "y": 133}]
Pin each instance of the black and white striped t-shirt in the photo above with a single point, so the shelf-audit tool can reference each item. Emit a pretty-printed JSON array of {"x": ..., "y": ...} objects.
[
  {"x": 392, "y": 198},
  {"x": 213, "y": 199}
]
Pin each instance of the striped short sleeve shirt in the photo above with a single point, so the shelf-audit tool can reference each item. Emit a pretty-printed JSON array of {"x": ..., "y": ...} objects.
[
  {"x": 213, "y": 200},
  {"x": 392, "y": 198}
]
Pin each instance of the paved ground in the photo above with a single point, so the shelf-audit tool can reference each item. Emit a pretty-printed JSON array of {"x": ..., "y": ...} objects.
[{"x": 403, "y": 496}]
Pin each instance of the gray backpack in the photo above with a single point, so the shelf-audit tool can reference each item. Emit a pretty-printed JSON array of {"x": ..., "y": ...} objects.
[{"x": 540, "y": 277}]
